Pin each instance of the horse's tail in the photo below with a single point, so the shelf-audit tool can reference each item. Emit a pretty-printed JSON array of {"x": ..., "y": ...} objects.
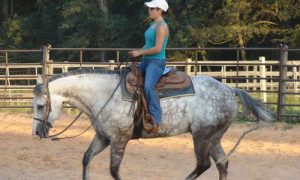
[{"x": 254, "y": 106}]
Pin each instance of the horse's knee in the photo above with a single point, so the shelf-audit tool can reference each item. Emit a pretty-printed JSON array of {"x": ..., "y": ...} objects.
[
  {"x": 205, "y": 165},
  {"x": 222, "y": 161},
  {"x": 148, "y": 87},
  {"x": 222, "y": 165}
]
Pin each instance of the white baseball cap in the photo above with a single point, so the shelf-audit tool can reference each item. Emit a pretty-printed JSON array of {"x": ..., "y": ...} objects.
[{"x": 162, "y": 4}]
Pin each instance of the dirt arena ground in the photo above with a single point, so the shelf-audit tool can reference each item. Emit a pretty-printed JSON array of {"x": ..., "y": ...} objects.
[{"x": 270, "y": 153}]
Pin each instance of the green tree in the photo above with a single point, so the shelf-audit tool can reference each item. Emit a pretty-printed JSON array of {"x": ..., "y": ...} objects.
[
  {"x": 239, "y": 21},
  {"x": 122, "y": 23},
  {"x": 287, "y": 14}
]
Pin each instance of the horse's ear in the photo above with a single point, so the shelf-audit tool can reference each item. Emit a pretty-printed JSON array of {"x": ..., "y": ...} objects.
[
  {"x": 39, "y": 88},
  {"x": 39, "y": 80}
]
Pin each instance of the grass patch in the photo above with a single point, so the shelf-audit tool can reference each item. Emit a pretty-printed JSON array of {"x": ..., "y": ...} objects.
[{"x": 289, "y": 110}]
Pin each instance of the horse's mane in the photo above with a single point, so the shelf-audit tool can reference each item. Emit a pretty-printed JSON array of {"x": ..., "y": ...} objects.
[{"x": 82, "y": 71}]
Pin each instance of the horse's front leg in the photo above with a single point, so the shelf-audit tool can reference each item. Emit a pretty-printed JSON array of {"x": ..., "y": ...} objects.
[{"x": 98, "y": 144}]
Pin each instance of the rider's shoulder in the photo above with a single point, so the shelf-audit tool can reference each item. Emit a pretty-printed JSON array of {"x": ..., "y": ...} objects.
[{"x": 162, "y": 27}]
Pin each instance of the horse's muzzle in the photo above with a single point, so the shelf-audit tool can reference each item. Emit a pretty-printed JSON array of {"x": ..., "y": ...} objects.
[{"x": 42, "y": 131}]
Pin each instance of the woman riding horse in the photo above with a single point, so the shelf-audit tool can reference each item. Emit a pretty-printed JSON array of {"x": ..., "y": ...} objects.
[{"x": 154, "y": 58}]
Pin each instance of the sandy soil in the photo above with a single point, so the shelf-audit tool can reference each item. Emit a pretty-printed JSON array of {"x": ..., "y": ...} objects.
[{"x": 270, "y": 153}]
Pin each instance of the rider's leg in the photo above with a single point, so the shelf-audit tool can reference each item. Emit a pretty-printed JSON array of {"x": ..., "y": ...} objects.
[
  {"x": 142, "y": 66},
  {"x": 153, "y": 72}
]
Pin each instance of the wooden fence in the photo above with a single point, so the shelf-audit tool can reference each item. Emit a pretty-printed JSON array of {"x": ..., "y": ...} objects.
[{"x": 264, "y": 76}]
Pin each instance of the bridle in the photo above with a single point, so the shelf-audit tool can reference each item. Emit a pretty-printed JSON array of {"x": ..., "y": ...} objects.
[{"x": 47, "y": 125}]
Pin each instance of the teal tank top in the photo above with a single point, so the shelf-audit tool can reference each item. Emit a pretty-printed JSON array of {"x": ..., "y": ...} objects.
[{"x": 150, "y": 37}]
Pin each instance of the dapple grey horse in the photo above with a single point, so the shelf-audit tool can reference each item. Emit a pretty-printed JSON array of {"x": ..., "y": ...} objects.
[{"x": 206, "y": 115}]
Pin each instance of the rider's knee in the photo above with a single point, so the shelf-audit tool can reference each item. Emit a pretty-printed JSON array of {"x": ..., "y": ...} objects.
[{"x": 148, "y": 87}]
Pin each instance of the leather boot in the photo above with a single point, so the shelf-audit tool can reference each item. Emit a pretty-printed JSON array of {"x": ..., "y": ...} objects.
[{"x": 155, "y": 128}]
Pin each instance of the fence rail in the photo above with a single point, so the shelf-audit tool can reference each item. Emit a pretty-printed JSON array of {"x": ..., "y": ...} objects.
[{"x": 280, "y": 77}]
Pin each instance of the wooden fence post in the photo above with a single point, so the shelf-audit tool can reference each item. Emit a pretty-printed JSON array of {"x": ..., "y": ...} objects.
[
  {"x": 188, "y": 67},
  {"x": 50, "y": 67},
  {"x": 254, "y": 76},
  {"x": 45, "y": 62},
  {"x": 7, "y": 80},
  {"x": 263, "y": 85},
  {"x": 111, "y": 66},
  {"x": 295, "y": 76},
  {"x": 282, "y": 82},
  {"x": 65, "y": 68},
  {"x": 247, "y": 77},
  {"x": 223, "y": 70},
  {"x": 271, "y": 72},
  {"x": 199, "y": 69},
  {"x": 80, "y": 58}
]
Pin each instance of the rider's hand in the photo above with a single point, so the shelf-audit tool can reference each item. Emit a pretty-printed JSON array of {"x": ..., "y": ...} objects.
[{"x": 134, "y": 53}]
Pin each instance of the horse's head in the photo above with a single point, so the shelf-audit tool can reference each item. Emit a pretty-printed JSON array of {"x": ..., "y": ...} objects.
[
  {"x": 39, "y": 108},
  {"x": 47, "y": 108}
]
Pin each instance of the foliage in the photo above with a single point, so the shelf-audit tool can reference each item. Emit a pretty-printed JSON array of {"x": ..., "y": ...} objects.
[{"x": 121, "y": 23}]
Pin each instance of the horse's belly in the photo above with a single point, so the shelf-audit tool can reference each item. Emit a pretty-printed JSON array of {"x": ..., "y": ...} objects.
[{"x": 176, "y": 118}]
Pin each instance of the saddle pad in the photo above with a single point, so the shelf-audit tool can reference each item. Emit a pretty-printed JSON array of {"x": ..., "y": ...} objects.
[{"x": 167, "y": 93}]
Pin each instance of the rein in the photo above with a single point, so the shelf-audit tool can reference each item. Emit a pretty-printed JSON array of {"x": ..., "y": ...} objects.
[
  {"x": 242, "y": 136},
  {"x": 225, "y": 158},
  {"x": 47, "y": 125}
]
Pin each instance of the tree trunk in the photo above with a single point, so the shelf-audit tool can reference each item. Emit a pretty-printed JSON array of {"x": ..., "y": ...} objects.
[
  {"x": 240, "y": 36},
  {"x": 5, "y": 10},
  {"x": 11, "y": 7},
  {"x": 241, "y": 41},
  {"x": 103, "y": 6},
  {"x": 204, "y": 56},
  {"x": 242, "y": 45}
]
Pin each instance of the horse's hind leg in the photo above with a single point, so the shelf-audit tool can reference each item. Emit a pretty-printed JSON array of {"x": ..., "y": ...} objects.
[
  {"x": 118, "y": 146},
  {"x": 98, "y": 144},
  {"x": 202, "y": 148},
  {"x": 220, "y": 159}
]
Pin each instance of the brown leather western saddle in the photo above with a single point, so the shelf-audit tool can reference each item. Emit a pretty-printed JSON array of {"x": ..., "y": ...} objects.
[
  {"x": 134, "y": 82},
  {"x": 172, "y": 80}
]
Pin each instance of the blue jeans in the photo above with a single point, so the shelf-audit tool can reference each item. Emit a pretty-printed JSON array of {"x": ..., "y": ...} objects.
[{"x": 153, "y": 69}]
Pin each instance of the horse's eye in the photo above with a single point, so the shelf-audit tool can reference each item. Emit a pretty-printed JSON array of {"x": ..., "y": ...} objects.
[{"x": 40, "y": 107}]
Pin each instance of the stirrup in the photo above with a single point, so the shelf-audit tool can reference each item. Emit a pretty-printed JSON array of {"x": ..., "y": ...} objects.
[
  {"x": 155, "y": 128},
  {"x": 153, "y": 124},
  {"x": 148, "y": 125}
]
